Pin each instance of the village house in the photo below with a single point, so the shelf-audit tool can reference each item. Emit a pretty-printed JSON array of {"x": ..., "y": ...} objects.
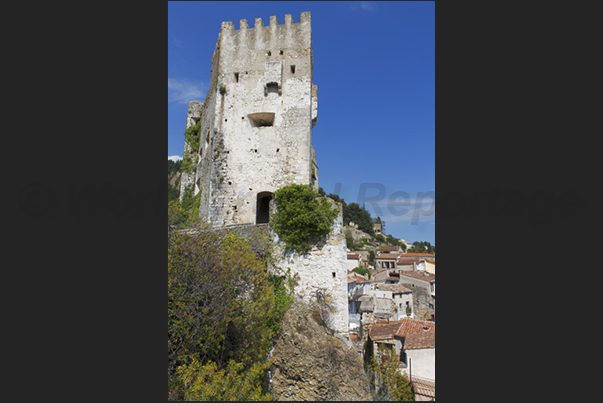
[
  {"x": 402, "y": 298},
  {"x": 386, "y": 261},
  {"x": 387, "y": 276},
  {"x": 430, "y": 256},
  {"x": 413, "y": 342},
  {"x": 407, "y": 264},
  {"x": 420, "y": 279},
  {"x": 391, "y": 248},
  {"x": 354, "y": 260},
  {"x": 430, "y": 266}
]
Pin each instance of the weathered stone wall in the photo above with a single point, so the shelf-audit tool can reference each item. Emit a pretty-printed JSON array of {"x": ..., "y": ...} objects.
[
  {"x": 423, "y": 302},
  {"x": 356, "y": 234},
  {"x": 264, "y": 72},
  {"x": 323, "y": 268}
]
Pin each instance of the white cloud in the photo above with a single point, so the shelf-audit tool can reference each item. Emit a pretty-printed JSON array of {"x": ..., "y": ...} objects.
[
  {"x": 363, "y": 5},
  {"x": 174, "y": 158},
  {"x": 183, "y": 91}
]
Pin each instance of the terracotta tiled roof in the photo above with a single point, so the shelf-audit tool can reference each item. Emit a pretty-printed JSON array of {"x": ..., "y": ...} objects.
[
  {"x": 353, "y": 256},
  {"x": 409, "y": 325},
  {"x": 408, "y": 261},
  {"x": 389, "y": 247},
  {"x": 418, "y": 340},
  {"x": 394, "y": 288},
  {"x": 384, "y": 331},
  {"x": 423, "y": 387},
  {"x": 387, "y": 256},
  {"x": 417, "y": 255},
  {"x": 418, "y": 275}
]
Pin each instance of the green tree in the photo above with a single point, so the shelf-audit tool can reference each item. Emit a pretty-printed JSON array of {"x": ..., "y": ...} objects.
[
  {"x": 206, "y": 382},
  {"x": 362, "y": 270},
  {"x": 302, "y": 217},
  {"x": 422, "y": 247},
  {"x": 223, "y": 310},
  {"x": 192, "y": 137},
  {"x": 387, "y": 383},
  {"x": 349, "y": 242}
]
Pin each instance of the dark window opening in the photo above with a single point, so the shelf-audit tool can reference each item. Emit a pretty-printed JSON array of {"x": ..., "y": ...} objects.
[
  {"x": 277, "y": 149},
  {"x": 293, "y": 69},
  {"x": 333, "y": 274},
  {"x": 261, "y": 119},
  {"x": 269, "y": 53},
  {"x": 271, "y": 88},
  {"x": 237, "y": 77},
  {"x": 280, "y": 53},
  {"x": 263, "y": 207}
]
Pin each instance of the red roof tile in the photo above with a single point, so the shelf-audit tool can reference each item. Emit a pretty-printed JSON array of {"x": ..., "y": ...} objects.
[
  {"x": 417, "y": 255},
  {"x": 389, "y": 247},
  {"x": 409, "y": 325},
  {"x": 384, "y": 331},
  {"x": 387, "y": 256},
  {"x": 408, "y": 261},
  {"x": 418, "y": 275},
  {"x": 423, "y": 387},
  {"x": 353, "y": 256},
  {"x": 418, "y": 340}
]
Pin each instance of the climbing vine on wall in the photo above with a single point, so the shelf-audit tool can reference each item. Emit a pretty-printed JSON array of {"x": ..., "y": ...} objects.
[
  {"x": 302, "y": 217},
  {"x": 192, "y": 137}
]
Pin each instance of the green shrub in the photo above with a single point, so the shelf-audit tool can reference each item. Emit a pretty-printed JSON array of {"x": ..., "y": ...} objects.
[
  {"x": 302, "y": 217},
  {"x": 192, "y": 137},
  {"x": 362, "y": 270}
]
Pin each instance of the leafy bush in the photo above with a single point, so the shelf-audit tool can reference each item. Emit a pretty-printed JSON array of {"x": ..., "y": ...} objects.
[
  {"x": 387, "y": 383},
  {"x": 223, "y": 310},
  {"x": 362, "y": 270},
  {"x": 206, "y": 382},
  {"x": 192, "y": 137},
  {"x": 349, "y": 242},
  {"x": 302, "y": 217}
]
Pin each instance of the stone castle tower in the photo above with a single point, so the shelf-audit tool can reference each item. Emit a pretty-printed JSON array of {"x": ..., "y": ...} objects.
[
  {"x": 256, "y": 137},
  {"x": 257, "y": 120}
]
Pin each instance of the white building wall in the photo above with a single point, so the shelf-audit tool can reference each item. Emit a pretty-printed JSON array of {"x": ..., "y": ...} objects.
[{"x": 423, "y": 363}]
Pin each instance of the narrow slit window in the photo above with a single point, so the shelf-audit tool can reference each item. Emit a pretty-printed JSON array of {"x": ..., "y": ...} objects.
[
  {"x": 293, "y": 69},
  {"x": 236, "y": 77}
]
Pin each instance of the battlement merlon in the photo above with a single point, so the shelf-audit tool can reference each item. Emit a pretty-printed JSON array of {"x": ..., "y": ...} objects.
[
  {"x": 229, "y": 33},
  {"x": 194, "y": 113}
]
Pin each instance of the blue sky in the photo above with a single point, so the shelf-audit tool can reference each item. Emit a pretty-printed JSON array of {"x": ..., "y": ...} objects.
[{"x": 374, "y": 65}]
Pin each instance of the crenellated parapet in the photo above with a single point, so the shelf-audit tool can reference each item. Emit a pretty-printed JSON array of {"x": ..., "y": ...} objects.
[{"x": 273, "y": 38}]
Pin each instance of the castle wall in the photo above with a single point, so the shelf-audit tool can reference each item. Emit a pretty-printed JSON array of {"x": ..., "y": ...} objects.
[
  {"x": 324, "y": 267},
  {"x": 260, "y": 127}
]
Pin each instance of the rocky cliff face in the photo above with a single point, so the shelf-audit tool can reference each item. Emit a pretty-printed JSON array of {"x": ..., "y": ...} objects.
[{"x": 312, "y": 363}]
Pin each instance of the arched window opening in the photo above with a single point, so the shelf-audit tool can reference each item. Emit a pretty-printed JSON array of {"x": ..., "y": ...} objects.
[{"x": 263, "y": 207}]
